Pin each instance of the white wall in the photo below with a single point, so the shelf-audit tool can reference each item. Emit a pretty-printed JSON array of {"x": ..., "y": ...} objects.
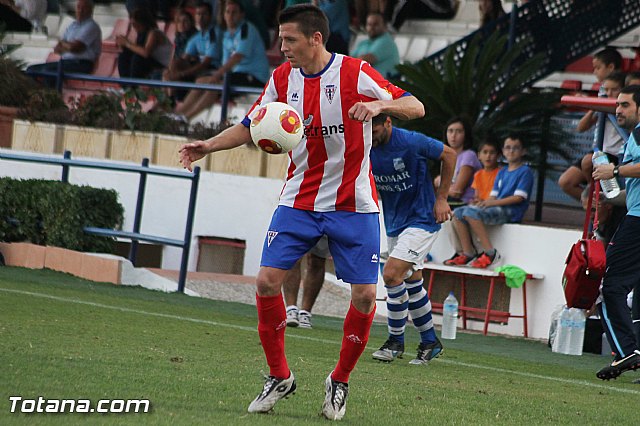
[
  {"x": 240, "y": 207},
  {"x": 228, "y": 206}
]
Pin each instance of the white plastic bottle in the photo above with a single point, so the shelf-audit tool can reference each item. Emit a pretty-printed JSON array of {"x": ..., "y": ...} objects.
[
  {"x": 449, "y": 317},
  {"x": 578, "y": 323},
  {"x": 610, "y": 187},
  {"x": 563, "y": 332}
]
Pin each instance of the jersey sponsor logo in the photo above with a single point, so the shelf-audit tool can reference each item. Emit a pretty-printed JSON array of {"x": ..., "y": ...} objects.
[
  {"x": 333, "y": 129},
  {"x": 330, "y": 92},
  {"x": 374, "y": 258},
  {"x": 398, "y": 164},
  {"x": 271, "y": 235}
]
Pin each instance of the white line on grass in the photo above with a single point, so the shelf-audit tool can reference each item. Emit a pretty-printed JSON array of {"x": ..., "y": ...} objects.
[{"x": 295, "y": 336}]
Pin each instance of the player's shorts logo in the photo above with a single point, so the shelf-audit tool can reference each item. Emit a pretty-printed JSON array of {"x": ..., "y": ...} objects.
[{"x": 270, "y": 236}]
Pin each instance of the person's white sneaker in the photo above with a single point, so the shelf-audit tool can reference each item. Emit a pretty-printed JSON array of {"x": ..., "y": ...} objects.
[
  {"x": 292, "y": 316},
  {"x": 273, "y": 391},
  {"x": 304, "y": 319},
  {"x": 335, "y": 399}
]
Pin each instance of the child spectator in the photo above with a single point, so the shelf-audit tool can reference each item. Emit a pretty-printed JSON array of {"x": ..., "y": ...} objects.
[
  {"x": 508, "y": 202},
  {"x": 572, "y": 180},
  {"x": 483, "y": 179},
  {"x": 612, "y": 141},
  {"x": 632, "y": 78},
  {"x": 459, "y": 136},
  {"x": 185, "y": 29}
]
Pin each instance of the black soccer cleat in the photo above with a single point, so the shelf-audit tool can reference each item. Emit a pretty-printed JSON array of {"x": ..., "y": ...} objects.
[{"x": 617, "y": 367}]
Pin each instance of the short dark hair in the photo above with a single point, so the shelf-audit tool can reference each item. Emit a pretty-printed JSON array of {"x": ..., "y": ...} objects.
[
  {"x": 632, "y": 75},
  {"x": 489, "y": 142},
  {"x": 618, "y": 77},
  {"x": 236, "y": 2},
  {"x": 516, "y": 136},
  {"x": 634, "y": 90},
  {"x": 205, "y": 5},
  {"x": 466, "y": 125},
  {"x": 380, "y": 14},
  {"x": 379, "y": 119},
  {"x": 609, "y": 55},
  {"x": 310, "y": 19}
]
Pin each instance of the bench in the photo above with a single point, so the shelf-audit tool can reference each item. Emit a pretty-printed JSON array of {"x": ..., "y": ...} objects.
[{"x": 489, "y": 314}]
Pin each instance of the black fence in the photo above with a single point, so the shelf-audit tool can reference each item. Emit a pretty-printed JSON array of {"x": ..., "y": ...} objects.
[{"x": 562, "y": 30}]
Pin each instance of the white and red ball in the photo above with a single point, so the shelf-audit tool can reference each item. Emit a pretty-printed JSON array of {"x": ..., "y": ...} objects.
[{"x": 276, "y": 128}]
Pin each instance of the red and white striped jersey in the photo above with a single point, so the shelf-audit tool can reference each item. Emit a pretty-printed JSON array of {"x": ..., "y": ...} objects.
[{"x": 329, "y": 170}]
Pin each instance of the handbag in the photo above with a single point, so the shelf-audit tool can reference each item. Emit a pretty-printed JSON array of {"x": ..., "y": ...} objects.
[{"x": 586, "y": 262}]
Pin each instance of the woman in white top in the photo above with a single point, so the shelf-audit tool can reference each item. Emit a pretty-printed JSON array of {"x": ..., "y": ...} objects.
[{"x": 150, "y": 53}]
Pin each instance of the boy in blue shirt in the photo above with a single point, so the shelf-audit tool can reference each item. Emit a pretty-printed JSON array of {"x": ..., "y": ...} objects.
[
  {"x": 412, "y": 217},
  {"x": 508, "y": 203}
]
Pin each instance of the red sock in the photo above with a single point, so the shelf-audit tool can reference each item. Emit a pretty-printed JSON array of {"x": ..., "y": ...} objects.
[
  {"x": 272, "y": 321},
  {"x": 356, "y": 335}
]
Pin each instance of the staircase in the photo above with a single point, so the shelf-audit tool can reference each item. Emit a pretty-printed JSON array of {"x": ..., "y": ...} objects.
[{"x": 562, "y": 30}]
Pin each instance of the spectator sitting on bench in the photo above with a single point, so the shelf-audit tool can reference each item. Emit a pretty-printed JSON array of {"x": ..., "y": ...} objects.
[
  {"x": 151, "y": 52},
  {"x": 483, "y": 179},
  {"x": 80, "y": 46},
  {"x": 203, "y": 52},
  {"x": 508, "y": 202},
  {"x": 243, "y": 56}
]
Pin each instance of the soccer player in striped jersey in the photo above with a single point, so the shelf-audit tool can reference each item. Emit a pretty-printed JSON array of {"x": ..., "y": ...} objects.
[
  {"x": 329, "y": 190},
  {"x": 412, "y": 217}
]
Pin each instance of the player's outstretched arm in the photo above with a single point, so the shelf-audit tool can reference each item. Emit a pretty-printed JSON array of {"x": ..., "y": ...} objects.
[
  {"x": 229, "y": 138},
  {"x": 442, "y": 210},
  {"x": 404, "y": 108}
]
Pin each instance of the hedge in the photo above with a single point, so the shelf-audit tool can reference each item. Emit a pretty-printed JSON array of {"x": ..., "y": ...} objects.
[{"x": 55, "y": 213}]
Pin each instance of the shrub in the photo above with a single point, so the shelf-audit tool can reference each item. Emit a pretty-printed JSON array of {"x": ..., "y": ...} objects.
[{"x": 55, "y": 213}]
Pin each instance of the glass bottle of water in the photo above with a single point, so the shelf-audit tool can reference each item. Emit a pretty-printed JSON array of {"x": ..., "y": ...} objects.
[
  {"x": 610, "y": 187},
  {"x": 449, "y": 317}
]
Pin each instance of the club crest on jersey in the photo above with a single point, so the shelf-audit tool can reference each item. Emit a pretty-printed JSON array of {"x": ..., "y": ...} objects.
[
  {"x": 270, "y": 236},
  {"x": 398, "y": 164},
  {"x": 330, "y": 92},
  {"x": 307, "y": 121},
  {"x": 294, "y": 97}
]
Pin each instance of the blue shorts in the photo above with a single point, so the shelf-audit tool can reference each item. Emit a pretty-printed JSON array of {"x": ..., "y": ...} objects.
[
  {"x": 354, "y": 241},
  {"x": 496, "y": 215}
]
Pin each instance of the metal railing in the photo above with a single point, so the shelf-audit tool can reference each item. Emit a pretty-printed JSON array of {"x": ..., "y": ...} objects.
[
  {"x": 226, "y": 88},
  {"x": 135, "y": 236}
]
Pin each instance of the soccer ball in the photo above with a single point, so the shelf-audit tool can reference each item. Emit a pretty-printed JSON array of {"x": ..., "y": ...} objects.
[{"x": 276, "y": 128}]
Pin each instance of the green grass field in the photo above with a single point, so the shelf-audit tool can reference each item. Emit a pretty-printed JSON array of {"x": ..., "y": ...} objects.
[{"x": 199, "y": 362}]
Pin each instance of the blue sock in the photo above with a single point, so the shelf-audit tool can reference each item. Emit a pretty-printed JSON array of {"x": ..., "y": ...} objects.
[
  {"x": 398, "y": 308},
  {"x": 420, "y": 311}
]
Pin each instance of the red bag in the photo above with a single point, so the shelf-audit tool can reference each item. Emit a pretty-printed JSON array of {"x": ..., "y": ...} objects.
[{"x": 585, "y": 264}]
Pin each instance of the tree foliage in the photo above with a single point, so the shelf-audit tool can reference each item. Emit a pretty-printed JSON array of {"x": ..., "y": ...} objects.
[{"x": 485, "y": 80}]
